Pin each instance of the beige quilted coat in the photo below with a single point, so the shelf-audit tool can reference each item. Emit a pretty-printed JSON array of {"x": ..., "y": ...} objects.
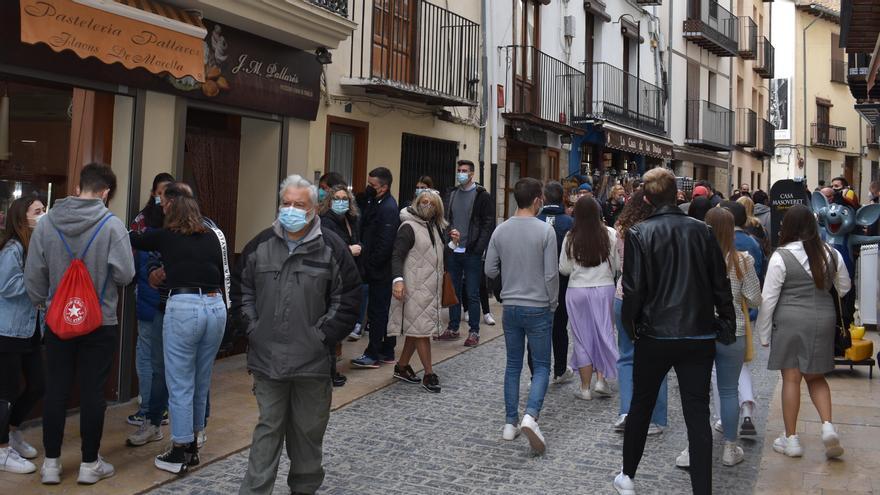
[{"x": 418, "y": 315}]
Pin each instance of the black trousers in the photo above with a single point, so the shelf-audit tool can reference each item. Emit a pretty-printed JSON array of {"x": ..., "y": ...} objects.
[
  {"x": 692, "y": 360},
  {"x": 89, "y": 358},
  {"x": 380, "y": 346},
  {"x": 560, "y": 333},
  {"x": 16, "y": 402}
]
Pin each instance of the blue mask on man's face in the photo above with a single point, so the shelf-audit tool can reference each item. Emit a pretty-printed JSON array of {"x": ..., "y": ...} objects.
[
  {"x": 321, "y": 195},
  {"x": 293, "y": 219}
]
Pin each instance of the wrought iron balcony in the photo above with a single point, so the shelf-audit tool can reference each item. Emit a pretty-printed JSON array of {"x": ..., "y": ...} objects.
[
  {"x": 766, "y": 135},
  {"x": 857, "y": 76},
  {"x": 746, "y": 128},
  {"x": 712, "y": 27},
  {"x": 765, "y": 64},
  {"x": 838, "y": 71},
  {"x": 336, "y": 6},
  {"x": 708, "y": 125},
  {"x": 415, "y": 50},
  {"x": 872, "y": 137},
  {"x": 748, "y": 38},
  {"x": 625, "y": 99},
  {"x": 542, "y": 90},
  {"x": 827, "y": 136}
]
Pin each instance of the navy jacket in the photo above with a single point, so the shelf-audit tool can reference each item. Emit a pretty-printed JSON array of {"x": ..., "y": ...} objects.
[
  {"x": 379, "y": 224},
  {"x": 562, "y": 223}
]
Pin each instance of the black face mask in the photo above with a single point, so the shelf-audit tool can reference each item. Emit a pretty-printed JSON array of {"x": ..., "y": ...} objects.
[{"x": 371, "y": 192}]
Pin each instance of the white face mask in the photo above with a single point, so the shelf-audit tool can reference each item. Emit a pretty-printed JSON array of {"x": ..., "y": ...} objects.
[
  {"x": 32, "y": 222},
  {"x": 158, "y": 200}
]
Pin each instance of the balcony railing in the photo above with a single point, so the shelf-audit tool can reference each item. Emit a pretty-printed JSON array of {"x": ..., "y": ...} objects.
[
  {"x": 765, "y": 64},
  {"x": 541, "y": 89},
  {"x": 746, "y": 127},
  {"x": 415, "y": 50},
  {"x": 625, "y": 99},
  {"x": 857, "y": 76},
  {"x": 748, "y": 38},
  {"x": 838, "y": 71},
  {"x": 708, "y": 125},
  {"x": 712, "y": 27},
  {"x": 872, "y": 137},
  {"x": 336, "y": 6},
  {"x": 649, "y": 2},
  {"x": 828, "y": 136},
  {"x": 766, "y": 134}
]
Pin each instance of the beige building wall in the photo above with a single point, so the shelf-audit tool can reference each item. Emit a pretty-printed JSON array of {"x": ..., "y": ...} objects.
[
  {"x": 160, "y": 139},
  {"x": 257, "y": 178}
]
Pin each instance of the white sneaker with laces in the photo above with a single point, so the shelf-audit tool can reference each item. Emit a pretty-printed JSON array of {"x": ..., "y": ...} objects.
[
  {"x": 51, "y": 471},
  {"x": 602, "y": 388},
  {"x": 831, "y": 440},
  {"x": 24, "y": 449},
  {"x": 202, "y": 438},
  {"x": 583, "y": 393},
  {"x": 655, "y": 429},
  {"x": 624, "y": 484},
  {"x": 733, "y": 454},
  {"x": 12, "y": 462},
  {"x": 93, "y": 472},
  {"x": 355, "y": 334},
  {"x": 718, "y": 426},
  {"x": 684, "y": 459},
  {"x": 790, "y": 446},
  {"x": 620, "y": 424},
  {"x": 489, "y": 319},
  {"x": 529, "y": 428},
  {"x": 566, "y": 377},
  {"x": 510, "y": 432}
]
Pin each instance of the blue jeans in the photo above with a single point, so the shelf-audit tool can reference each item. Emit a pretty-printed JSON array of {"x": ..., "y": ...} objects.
[
  {"x": 625, "y": 372},
  {"x": 194, "y": 326},
  {"x": 143, "y": 363},
  {"x": 158, "y": 390},
  {"x": 465, "y": 268},
  {"x": 728, "y": 364},
  {"x": 523, "y": 323}
]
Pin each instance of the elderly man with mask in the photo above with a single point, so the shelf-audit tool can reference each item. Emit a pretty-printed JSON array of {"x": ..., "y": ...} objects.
[{"x": 297, "y": 293}]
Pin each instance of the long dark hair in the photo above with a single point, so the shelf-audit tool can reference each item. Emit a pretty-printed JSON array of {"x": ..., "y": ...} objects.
[
  {"x": 799, "y": 224},
  {"x": 721, "y": 221},
  {"x": 588, "y": 242},
  {"x": 153, "y": 216},
  {"x": 17, "y": 223},
  {"x": 635, "y": 210},
  {"x": 183, "y": 215}
]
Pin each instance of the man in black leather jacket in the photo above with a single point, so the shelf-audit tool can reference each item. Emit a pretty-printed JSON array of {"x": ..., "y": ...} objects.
[{"x": 676, "y": 304}]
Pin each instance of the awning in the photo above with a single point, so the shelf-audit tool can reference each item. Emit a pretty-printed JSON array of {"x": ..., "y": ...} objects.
[
  {"x": 135, "y": 33},
  {"x": 700, "y": 158},
  {"x": 623, "y": 139}
]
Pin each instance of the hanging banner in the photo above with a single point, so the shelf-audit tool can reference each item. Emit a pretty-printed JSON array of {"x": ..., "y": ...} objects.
[{"x": 90, "y": 32}]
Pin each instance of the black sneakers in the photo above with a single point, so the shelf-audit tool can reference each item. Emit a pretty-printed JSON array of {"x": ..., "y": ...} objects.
[
  {"x": 174, "y": 460},
  {"x": 406, "y": 374},
  {"x": 431, "y": 383},
  {"x": 747, "y": 428},
  {"x": 192, "y": 454}
]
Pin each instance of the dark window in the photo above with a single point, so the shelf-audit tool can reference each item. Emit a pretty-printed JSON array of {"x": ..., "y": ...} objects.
[{"x": 426, "y": 156}]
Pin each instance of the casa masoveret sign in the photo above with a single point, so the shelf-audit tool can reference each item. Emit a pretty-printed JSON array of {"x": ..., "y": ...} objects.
[
  {"x": 783, "y": 195},
  {"x": 90, "y": 32}
]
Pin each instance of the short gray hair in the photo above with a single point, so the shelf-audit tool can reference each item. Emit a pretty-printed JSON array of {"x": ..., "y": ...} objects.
[{"x": 297, "y": 182}]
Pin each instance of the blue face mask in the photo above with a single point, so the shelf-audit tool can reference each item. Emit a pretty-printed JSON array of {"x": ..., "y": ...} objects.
[
  {"x": 293, "y": 219},
  {"x": 420, "y": 191},
  {"x": 462, "y": 178},
  {"x": 321, "y": 194},
  {"x": 340, "y": 206}
]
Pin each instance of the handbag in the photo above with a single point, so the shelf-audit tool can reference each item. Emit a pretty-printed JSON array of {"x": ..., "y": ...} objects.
[
  {"x": 750, "y": 347},
  {"x": 842, "y": 337},
  {"x": 448, "y": 297}
]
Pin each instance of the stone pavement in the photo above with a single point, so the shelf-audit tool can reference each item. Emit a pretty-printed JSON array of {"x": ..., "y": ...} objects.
[{"x": 402, "y": 440}]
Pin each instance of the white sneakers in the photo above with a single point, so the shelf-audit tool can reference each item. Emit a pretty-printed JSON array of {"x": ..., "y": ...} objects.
[
  {"x": 202, "y": 438},
  {"x": 718, "y": 426},
  {"x": 684, "y": 459},
  {"x": 733, "y": 454},
  {"x": 831, "y": 440},
  {"x": 564, "y": 378},
  {"x": 602, "y": 389},
  {"x": 93, "y": 472},
  {"x": 529, "y": 428},
  {"x": 12, "y": 462},
  {"x": 655, "y": 429},
  {"x": 583, "y": 393},
  {"x": 51, "y": 471},
  {"x": 620, "y": 424},
  {"x": 790, "y": 446},
  {"x": 489, "y": 319},
  {"x": 510, "y": 432},
  {"x": 624, "y": 484},
  {"x": 24, "y": 449}
]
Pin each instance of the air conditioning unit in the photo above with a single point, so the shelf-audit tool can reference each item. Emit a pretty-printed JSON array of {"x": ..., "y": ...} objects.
[{"x": 569, "y": 26}]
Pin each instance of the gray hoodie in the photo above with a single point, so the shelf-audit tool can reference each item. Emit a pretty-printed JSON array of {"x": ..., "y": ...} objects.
[
  {"x": 762, "y": 212},
  {"x": 77, "y": 219}
]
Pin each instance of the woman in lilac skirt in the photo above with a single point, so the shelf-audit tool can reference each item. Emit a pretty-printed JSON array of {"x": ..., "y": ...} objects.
[{"x": 589, "y": 258}]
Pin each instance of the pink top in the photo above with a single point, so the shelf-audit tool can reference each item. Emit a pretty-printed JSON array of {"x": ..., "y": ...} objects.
[{"x": 618, "y": 294}]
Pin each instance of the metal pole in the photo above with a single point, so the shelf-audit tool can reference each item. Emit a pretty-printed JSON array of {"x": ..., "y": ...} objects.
[
  {"x": 638, "y": 67},
  {"x": 484, "y": 61}
]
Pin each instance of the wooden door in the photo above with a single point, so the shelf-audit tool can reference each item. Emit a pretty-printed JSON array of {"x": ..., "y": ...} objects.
[
  {"x": 346, "y": 151},
  {"x": 590, "y": 26},
  {"x": 823, "y": 121},
  {"x": 517, "y": 168},
  {"x": 525, "y": 60},
  {"x": 692, "y": 108},
  {"x": 394, "y": 23}
]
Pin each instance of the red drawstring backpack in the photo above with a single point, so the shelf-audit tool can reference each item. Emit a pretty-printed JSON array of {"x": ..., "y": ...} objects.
[{"x": 75, "y": 309}]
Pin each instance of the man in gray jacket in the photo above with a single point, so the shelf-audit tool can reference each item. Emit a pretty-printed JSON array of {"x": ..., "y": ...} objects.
[
  {"x": 110, "y": 263},
  {"x": 297, "y": 293}
]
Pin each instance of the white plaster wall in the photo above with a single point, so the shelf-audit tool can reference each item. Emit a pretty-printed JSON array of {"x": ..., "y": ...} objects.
[
  {"x": 160, "y": 136},
  {"x": 260, "y": 152}
]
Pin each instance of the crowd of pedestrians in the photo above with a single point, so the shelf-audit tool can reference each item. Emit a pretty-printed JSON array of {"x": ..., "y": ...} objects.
[{"x": 622, "y": 281}]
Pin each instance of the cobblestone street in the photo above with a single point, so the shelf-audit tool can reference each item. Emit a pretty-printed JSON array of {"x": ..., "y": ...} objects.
[{"x": 402, "y": 440}]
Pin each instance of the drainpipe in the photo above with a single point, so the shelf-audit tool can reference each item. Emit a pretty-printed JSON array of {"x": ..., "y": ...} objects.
[
  {"x": 804, "y": 53},
  {"x": 484, "y": 104}
]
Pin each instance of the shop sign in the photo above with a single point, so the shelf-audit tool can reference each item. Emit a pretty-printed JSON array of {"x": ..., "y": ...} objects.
[
  {"x": 89, "y": 32},
  {"x": 783, "y": 195},
  {"x": 637, "y": 145}
]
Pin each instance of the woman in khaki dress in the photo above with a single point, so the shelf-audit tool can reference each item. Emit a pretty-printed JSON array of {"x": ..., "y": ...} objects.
[{"x": 417, "y": 268}]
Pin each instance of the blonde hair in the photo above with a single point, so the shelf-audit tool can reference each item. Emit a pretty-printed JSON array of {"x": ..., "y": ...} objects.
[
  {"x": 749, "y": 205},
  {"x": 660, "y": 187},
  {"x": 439, "y": 217},
  {"x": 615, "y": 188}
]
